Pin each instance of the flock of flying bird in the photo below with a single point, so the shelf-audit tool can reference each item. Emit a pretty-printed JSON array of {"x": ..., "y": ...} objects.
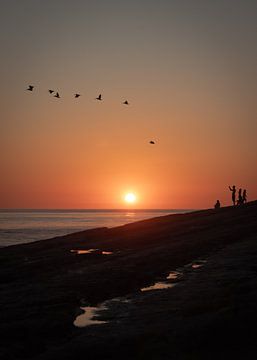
[
  {"x": 57, "y": 95},
  {"x": 99, "y": 97}
]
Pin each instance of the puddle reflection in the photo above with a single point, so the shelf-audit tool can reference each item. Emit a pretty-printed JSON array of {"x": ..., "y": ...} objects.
[
  {"x": 91, "y": 251},
  {"x": 173, "y": 275},
  {"x": 158, "y": 286},
  {"x": 87, "y": 318},
  {"x": 198, "y": 264},
  {"x": 80, "y": 252}
]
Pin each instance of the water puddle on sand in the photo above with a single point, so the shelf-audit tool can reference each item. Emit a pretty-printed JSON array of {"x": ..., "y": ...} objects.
[
  {"x": 173, "y": 275},
  {"x": 88, "y": 317},
  {"x": 198, "y": 264},
  {"x": 91, "y": 251},
  {"x": 158, "y": 286},
  {"x": 91, "y": 312},
  {"x": 81, "y": 252}
]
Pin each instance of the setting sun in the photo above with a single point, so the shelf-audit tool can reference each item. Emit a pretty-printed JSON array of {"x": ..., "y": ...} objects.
[{"x": 130, "y": 198}]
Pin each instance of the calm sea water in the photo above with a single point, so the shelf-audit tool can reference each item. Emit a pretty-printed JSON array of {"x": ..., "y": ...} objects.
[{"x": 23, "y": 226}]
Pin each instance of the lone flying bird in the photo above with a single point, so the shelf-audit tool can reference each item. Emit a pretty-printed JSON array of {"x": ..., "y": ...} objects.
[
  {"x": 77, "y": 95},
  {"x": 99, "y": 97},
  {"x": 50, "y": 91},
  {"x": 151, "y": 142},
  {"x": 30, "y": 88},
  {"x": 57, "y": 95},
  {"x": 126, "y": 102}
]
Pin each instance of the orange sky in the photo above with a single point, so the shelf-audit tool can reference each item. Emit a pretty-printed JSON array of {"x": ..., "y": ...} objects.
[{"x": 192, "y": 88}]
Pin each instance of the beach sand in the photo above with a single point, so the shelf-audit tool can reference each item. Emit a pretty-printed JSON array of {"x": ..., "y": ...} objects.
[{"x": 210, "y": 313}]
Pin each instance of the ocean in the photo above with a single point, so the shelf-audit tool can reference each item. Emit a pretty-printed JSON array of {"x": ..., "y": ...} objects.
[{"x": 23, "y": 226}]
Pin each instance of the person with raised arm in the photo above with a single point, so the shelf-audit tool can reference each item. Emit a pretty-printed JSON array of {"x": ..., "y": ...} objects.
[{"x": 233, "y": 190}]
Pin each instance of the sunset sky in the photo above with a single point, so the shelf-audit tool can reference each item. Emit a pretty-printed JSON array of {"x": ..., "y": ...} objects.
[{"x": 188, "y": 69}]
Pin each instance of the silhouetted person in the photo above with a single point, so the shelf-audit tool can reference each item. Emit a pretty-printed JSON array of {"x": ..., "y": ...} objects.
[
  {"x": 244, "y": 196},
  {"x": 233, "y": 190},
  {"x": 240, "y": 197},
  {"x": 217, "y": 205}
]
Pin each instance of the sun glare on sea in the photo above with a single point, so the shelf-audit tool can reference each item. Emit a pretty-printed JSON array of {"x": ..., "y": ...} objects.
[{"x": 130, "y": 198}]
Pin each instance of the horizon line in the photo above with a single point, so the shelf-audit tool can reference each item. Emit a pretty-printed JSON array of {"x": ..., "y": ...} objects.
[{"x": 96, "y": 209}]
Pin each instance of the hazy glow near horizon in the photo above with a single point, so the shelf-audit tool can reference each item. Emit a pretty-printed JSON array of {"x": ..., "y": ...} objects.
[{"x": 188, "y": 71}]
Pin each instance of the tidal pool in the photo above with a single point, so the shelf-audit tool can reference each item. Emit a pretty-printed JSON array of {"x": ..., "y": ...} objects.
[
  {"x": 198, "y": 264},
  {"x": 88, "y": 317},
  {"x": 158, "y": 286},
  {"x": 173, "y": 275},
  {"x": 81, "y": 252},
  {"x": 91, "y": 251}
]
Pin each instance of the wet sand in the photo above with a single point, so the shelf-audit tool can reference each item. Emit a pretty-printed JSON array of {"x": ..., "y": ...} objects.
[{"x": 211, "y": 313}]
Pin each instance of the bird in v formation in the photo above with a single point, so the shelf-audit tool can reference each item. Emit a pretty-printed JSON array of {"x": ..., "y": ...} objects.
[
  {"x": 76, "y": 95},
  {"x": 99, "y": 97}
]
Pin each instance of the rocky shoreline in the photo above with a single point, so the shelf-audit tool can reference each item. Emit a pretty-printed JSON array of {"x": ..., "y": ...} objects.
[{"x": 210, "y": 313}]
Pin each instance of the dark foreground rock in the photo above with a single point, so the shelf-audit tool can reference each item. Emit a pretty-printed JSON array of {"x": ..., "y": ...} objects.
[{"x": 210, "y": 314}]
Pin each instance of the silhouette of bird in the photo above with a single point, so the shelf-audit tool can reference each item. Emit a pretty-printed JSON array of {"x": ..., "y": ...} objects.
[
  {"x": 77, "y": 95},
  {"x": 50, "y": 91},
  {"x": 99, "y": 97},
  {"x": 126, "y": 102},
  {"x": 30, "y": 88},
  {"x": 57, "y": 95},
  {"x": 151, "y": 142}
]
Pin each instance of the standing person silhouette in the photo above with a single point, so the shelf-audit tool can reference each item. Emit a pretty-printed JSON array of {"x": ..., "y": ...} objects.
[
  {"x": 244, "y": 196},
  {"x": 240, "y": 197},
  {"x": 233, "y": 190}
]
